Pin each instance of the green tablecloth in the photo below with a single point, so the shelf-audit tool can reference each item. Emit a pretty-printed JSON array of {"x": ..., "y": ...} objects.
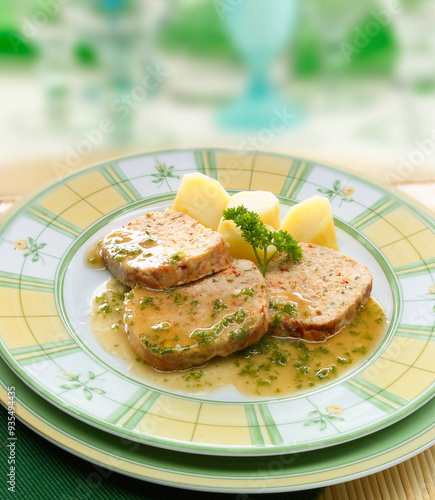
[{"x": 45, "y": 471}]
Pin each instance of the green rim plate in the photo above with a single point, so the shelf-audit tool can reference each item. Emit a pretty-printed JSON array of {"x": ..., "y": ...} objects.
[
  {"x": 45, "y": 292},
  {"x": 287, "y": 472}
]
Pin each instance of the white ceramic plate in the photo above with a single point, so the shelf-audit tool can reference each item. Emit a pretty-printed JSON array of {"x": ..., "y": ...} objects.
[
  {"x": 287, "y": 472},
  {"x": 45, "y": 295}
]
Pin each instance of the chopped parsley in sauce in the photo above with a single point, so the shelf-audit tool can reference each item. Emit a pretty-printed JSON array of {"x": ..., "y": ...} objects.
[{"x": 271, "y": 367}]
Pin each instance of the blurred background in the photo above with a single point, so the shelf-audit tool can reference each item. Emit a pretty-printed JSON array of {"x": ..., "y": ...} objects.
[{"x": 348, "y": 83}]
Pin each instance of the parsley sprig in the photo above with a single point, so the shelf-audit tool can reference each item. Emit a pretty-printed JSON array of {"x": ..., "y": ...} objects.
[{"x": 255, "y": 232}]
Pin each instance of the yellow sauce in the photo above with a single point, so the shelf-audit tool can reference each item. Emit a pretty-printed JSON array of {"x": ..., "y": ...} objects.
[
  {"x": 271, "y": 367},
  {"x": 138, "y": 248},
  {"x": 303, "y": 305},
  {"x": 93, "y": 258}
]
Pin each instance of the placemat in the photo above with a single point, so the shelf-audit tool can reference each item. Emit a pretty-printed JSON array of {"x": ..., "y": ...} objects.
[
  {"x": 410, "y": 480},
  {"x": 413, "y": 479},
  {"x": 45, "y": 471}
]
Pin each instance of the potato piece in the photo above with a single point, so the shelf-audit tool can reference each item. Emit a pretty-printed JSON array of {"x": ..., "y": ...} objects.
[
  {"x": 266, "y": 205},
  {"x": 203, "y": 198},
  {"x": 311, "y": 221},
  {"x": 239, "y": 248}
]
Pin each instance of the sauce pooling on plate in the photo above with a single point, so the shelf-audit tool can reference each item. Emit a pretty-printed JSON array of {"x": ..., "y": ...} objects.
[
  {"x": 271, "y": 367},
  {"x": 93, "y": 258}
]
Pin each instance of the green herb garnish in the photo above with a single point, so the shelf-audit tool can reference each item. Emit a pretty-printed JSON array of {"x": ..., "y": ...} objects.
[
  {"x": 248, "y": 292},
  {"x": 146, "y": 301},
  {"x": 173, "y": 259},
  {"x": 276, "y": 319},
  {"x": 218, "y": 305},
  {"x": 255, "y": 232},
  {"x": 287, "y": 308}
]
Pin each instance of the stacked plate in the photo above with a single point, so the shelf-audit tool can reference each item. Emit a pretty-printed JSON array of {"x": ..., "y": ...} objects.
[{"x": 377, "y": 414}]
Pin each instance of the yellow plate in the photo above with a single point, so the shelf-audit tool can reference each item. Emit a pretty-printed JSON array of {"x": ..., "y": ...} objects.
[{"x": 45, "y": 292}]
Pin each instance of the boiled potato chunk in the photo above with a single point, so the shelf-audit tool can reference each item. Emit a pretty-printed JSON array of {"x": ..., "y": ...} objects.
[
  {"x": 203, "y": 198},
  {"x": 266, "y": 205},
  {"x": 311, "y": 221},
  {"x": 239, "y": 248}
]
